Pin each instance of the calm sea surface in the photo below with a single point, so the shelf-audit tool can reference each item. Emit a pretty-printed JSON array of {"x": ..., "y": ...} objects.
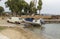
[
  {"x": 52, "y": 30},
  {"x": 49, "y": 30}
]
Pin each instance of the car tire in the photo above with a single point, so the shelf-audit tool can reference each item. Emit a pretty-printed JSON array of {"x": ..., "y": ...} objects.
[
  {"x": 17, "y": 22},
  {"x": 7, "y": 21}
]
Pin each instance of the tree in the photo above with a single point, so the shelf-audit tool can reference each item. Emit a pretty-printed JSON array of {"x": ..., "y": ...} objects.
[
  {"x": 1, "y": 10},
  {"x": 32, "y": 8},
  {"x": 16, "y": 6},
  {"x": 39, "y": 5}
]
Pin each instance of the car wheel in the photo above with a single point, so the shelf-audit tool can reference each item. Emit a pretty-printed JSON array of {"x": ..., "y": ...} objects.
[
  {"x": 17, "y": 22},
  {"x": 7, "y": 21}
]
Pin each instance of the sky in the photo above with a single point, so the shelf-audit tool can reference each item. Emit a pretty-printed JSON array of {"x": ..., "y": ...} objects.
[
  {"x": 3, "y": 5},
  {"x": 48, "y": 7},
  {"x": 51, "y": 7}
]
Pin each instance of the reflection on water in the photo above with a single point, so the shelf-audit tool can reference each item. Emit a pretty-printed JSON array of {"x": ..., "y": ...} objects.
[{"x": 50, "y": 30}]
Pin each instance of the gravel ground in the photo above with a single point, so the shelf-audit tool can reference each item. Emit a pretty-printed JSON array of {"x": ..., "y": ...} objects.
[
  {"x": 3, "y": 22},
  {"x": 14, "y": 34},
  {"x": 3, "y": 36}
]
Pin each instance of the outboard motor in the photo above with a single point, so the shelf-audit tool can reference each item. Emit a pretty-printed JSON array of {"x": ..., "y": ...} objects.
[{"x": 42, "y": 21}]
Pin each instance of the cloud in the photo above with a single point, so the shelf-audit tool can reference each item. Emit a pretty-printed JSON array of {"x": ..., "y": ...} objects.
[{"x": 51, "y": 7}]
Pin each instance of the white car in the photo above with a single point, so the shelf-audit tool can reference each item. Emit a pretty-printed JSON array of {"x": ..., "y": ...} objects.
[{"x": 15, "y": 20}]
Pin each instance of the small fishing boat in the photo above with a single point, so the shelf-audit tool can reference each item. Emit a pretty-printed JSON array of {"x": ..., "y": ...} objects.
[{"x": 32, "y": 21}]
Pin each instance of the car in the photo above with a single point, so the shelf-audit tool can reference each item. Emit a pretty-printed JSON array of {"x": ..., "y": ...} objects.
[{"x": 15, "y": 20}]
